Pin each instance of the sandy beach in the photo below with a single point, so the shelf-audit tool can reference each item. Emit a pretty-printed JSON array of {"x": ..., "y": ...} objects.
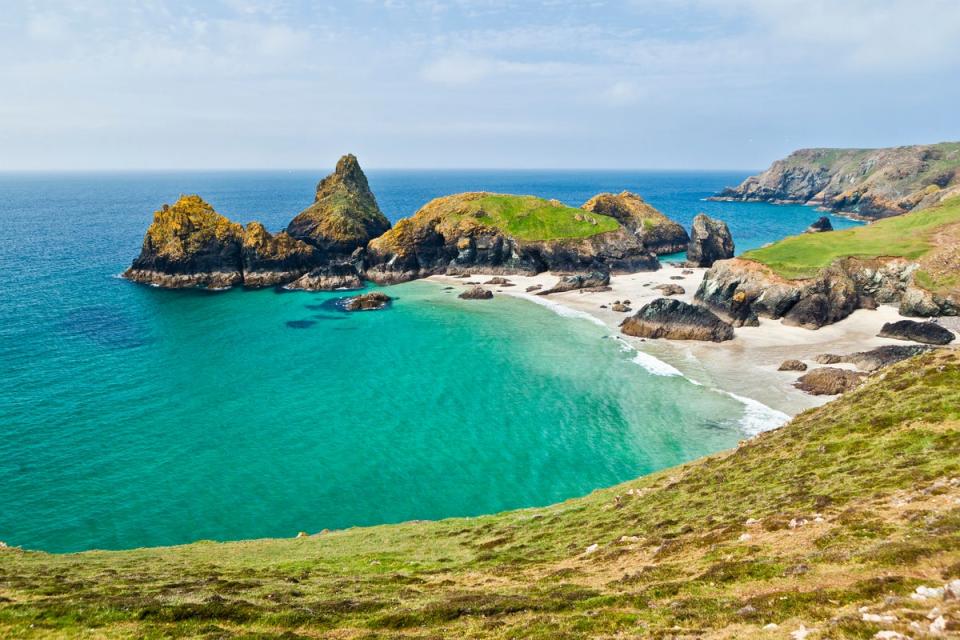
[{"x": 745, "y": 366}]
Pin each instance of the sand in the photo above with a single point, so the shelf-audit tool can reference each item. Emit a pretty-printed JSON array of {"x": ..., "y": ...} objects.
[{"x": 745, "y": 366}]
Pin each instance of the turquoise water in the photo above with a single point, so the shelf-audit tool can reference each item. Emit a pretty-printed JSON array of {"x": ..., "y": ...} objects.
[{"x": 132, "y": 416}]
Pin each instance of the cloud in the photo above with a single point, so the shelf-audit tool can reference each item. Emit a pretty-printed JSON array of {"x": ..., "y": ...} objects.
[
  {"x": 46, "y": 27},
  {"x": 623, "y": 93}
]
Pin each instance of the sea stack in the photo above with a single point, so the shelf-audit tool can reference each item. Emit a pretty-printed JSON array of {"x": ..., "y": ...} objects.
[
  {"x": 710, "y": 240},
  {"x": 657, "y": 232}
]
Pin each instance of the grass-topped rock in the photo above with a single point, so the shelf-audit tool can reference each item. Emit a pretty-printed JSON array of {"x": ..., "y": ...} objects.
[
  {"x": 502, "y": 234},
  {"x": 846, "y": 522},
  {"x": 657, "y": 232}
]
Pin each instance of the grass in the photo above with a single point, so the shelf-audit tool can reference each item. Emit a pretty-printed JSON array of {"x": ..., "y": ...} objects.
[
  {"x": 533, "y": 219},
  {"x": 671, "y": 559},
  {"x": 910, "y": 236}
]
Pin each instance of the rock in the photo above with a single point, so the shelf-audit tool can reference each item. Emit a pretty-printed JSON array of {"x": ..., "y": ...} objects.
[
  {"x": 820, "y": 225},
  {"x": 828, "y": 358},
  {"x": 792, "y": 365},
  {"x": 344, "y": 215},
  {"x": 500, "y": 281},
  {"x": 620, "y": 308},
  {"x": 367, "y": 302},
  {"x": 657, "y": 232},
  {"x": 475, "y": 231},
  {"x": 190, "y": 245},
  {"x": 476, "y": 293},
  {"x": 331, "y": 277},
  {"x": 883, "y": 356},
  {"x": 710, "y": 240},
  {"x": 534, "y": 287},
  {"x": 925, "y": 332},
  {"x": 270, "y": 260},
  {"x": 829, "y": 381},
  {"x": 579, "y": 281},
  {"x": 676, "y": 320},
  {"x": 670, "y": 289},
  {"x": 917, "y": 302}
]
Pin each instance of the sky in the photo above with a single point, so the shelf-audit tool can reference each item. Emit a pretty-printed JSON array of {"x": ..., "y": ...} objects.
[{"x": 671, "y": 84}]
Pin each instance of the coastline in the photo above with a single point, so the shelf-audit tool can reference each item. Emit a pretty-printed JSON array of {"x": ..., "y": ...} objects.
[{"x": 745, "y": 367}]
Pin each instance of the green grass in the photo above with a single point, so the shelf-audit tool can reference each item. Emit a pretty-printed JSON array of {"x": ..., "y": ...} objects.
[
  {"x": 533, "y": 219},
  {"x": 908, "y": 236},
  {"x": 876, "y": 464}
]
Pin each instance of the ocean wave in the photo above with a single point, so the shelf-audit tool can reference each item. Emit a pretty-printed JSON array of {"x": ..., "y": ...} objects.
[
  {"x": 758, "y": 417},
  {"x": 561, "y": 310}
]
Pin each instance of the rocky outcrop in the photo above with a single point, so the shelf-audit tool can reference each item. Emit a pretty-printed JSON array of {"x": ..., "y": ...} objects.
[
  {"x": 270, "y": 260},
  {"x": 476, "y": 293},
  {"x": 676, "y": 320},
  {"x": 189, "y": 245},
  {"x": 576, "y": 281},
  {"x": 882, "y": 356},
  {"x": 829, "y": 381},
  {"x": 868, "y": 183},
  {"x": 344, "y": 215},
  {"x": 743, "y": 290},
  {"x": 923, "y": 332},
  {"x": 820, "y": 225},
  {"x": 502, "y": 235},
  {"x": 658, "y": 233},
  {"x": 792, "y": 365},
  {"x": 372, "y": 301},
  {"x": 710, "y": 240},
  {"x": 330, "y": 277}
]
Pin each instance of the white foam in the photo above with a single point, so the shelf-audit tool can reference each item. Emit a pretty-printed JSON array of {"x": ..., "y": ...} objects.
[
  {"x": 758, "y": 417},
  {"x": 561, "y": 310}
]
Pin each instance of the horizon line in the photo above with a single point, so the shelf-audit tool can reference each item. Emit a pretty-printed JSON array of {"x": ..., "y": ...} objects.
[{"x": 366, "y": 169}]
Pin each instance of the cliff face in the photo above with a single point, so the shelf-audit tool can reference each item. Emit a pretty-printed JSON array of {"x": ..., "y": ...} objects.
[
  {"x": 658, "y": 233},
  {"x": 502, "y": 234},
  {"x": 189, "y": 245},
  {"x": 274, "y": 259},
  {"x": 868, "y": 183},
  {"x": 344, "y": 215}
]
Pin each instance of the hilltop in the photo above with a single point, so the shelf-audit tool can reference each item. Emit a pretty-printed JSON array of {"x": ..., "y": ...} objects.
[
  {"x": 829, "y": 523},
  {"x": 865, "y": 183}
]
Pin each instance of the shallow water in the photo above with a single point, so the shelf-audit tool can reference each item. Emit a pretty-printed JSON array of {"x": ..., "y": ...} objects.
[{"x": 133, "y": 416}]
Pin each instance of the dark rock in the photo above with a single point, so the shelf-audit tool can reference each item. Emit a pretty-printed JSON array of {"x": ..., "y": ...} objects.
[
  {"x": 710, "y": 240},
  {"x": 620, "y": 308},
  {"x": 670, "y": 289},
  {"x": 270, "y": 260},
  {"x": 676, "y": 320},
  {"x": 792, "y": 365},
  {"x": 820, "y": 225},
  {"x": 498, "y": 280},
  {"x": 883, "y": 356},
  {"x": 330, "y": 277},
  {"x": 676, "y": 277},
  {"x": 829, "y": 381},
  {"x": 367, "y": 302},
  {"x": 924, "y": 332},
  {"x": 534, "y": 287},
  {"x": 579, "y": 281},
  {"x": 476, "y": 293},
  {"x": 657, "y": 232}
]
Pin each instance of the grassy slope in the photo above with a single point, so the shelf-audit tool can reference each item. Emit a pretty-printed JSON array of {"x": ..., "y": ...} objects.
[
  {"x": 531, "y": 218},
  {"x": 876, "y": 464},
  {"x": 909, "y": 235}
]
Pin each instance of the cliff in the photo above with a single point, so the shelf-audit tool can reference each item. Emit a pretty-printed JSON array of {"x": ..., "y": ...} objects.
[
  {"x": 503, "y": 234},
  {"x": 865, "y": 183},
  {"x": 658, "y": 233},
  {"x": 844, "y": 523}
]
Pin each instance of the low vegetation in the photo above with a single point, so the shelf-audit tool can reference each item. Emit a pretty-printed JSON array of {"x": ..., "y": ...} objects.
[
  {"x": 829, "y": 523},
  {"x": 912, "y": 235}
]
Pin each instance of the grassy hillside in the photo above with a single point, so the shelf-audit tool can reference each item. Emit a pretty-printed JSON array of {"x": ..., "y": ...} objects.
[
  {"x": 911, "y": 235},
  {"x": 851, "y": 505}
]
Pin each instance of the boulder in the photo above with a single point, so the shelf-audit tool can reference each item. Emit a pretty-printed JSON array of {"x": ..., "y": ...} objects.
[
  {"x": 620, "y": 307},
  {"x": 476, "y": 293},
  {"x": 676, "y": 320},
  {"x": 670, "y": 289},
  {"x": 657, "y": 232},
  {"x": 344, "y": 215},
  {"x": 792, "y": 365},
  {"x": 829, "y": 381},
  {"x": 828, "y": 358},
  {"x": 820, "y": 225},
  {"x": 924, "y": 332},
  {"x": 710, "y": 240},
  {"x": 339, "y": 275},
  {"x": 498, "y": 281},
  {"x": 592, "y": 280},
  {"x": 367, "y": 301}
]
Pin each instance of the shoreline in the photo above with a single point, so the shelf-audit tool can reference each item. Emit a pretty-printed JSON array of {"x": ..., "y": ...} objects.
[{"x": 745, "y": 367}]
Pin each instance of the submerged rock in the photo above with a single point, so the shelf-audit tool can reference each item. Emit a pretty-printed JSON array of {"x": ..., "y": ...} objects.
[
  {"x": 368, "y": 302},
  {"x": 792, "y": 365},
  {"x": 829, "y": 381},
  {"x": 676, "y": 320},
  {"x": 344, "y": 215},
  {"x": 820, "y": 225},
  {"x": 189, "y": 244},
  {"x": 924, "y": 332},
  {"x": 710, "y": 240},
  {"x": 657, "y": 232},
  {"x": 329, "y": 278},
  {"x": 593, "y": 280},
  {"x": 476, "y": 293}
]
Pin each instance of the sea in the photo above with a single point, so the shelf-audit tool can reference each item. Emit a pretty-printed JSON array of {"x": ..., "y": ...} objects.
[{"x": 132, "y": 416}]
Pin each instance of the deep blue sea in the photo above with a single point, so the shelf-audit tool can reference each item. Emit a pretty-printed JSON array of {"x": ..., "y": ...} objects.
[{"x": 132, "y": 416}]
